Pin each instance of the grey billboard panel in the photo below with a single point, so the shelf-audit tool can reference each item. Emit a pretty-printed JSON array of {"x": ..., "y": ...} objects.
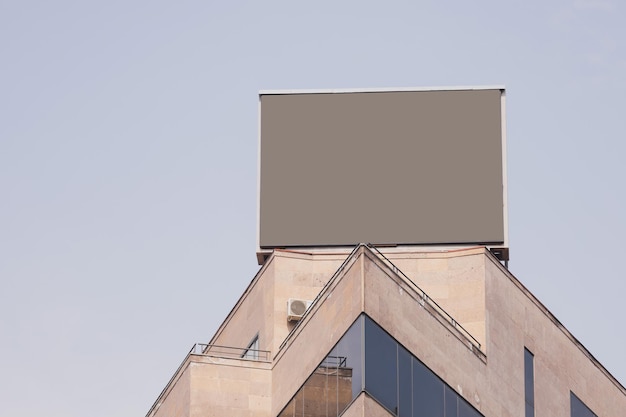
[{"x": 386, "y": 167}]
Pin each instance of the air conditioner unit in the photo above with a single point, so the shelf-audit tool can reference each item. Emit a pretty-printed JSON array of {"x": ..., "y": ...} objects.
[{"x": 296, "y": 308}]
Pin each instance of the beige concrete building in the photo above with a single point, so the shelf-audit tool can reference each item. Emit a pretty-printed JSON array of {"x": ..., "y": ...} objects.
[
  {"x": 414, "y": 329},
  {"x": 408, "y": 332}
]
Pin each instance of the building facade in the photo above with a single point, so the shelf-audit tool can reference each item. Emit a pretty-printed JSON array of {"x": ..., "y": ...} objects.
[{"x": 403, "y": 331}]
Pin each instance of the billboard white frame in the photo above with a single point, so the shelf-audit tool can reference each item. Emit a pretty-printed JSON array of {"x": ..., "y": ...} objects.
[{"x": 501, "y": 88}]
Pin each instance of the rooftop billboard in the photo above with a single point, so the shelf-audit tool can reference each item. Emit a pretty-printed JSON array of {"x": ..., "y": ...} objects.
[{"x": 388, "y": 167}]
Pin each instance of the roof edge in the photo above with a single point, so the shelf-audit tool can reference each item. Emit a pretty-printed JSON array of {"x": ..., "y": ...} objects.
[{"x": 380, "y": 90}]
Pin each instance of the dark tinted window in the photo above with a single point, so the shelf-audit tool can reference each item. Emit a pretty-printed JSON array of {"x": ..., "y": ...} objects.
[
  {"x": 335, "y": 382},
  {"x": 466, "y": 410},
  {"x": 427, "y": 392},
  {"x": 578, "y": 408},
  {"x": 451, "y": 399},
  {"x": 392, "y": 376},
  {"x": 405, "y": 383},
  {"x": 347, "y": 354},
  {"x": 529, "y": 383},
  {"x": 381, "y": 366}
]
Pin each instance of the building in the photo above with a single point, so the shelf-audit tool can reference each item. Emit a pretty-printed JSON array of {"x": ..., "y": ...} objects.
[
  {"x": 391, "y": 330},
  {"x": 403, "y": 332}
]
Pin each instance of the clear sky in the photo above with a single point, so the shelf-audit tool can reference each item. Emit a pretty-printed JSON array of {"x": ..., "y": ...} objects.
[{"x": 128, "y": 167}]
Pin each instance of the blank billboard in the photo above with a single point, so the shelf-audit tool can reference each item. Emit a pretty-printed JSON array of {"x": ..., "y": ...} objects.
[{"x": 384, "y": 167}]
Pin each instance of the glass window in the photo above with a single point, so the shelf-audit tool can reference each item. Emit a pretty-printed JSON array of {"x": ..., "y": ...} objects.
[
  {"x": 450, "y": 401},
  {"x": 381, "y": 365},
  {"x": 578, "y": 408},
  {"x": 252, "y": 351},
  {"x": 405, "y": 383},
  {"x": 427, "y": 392},
  {"x": 529, "y": 383},
  {"x": 347, "y": 355},
  {"x": 335, "y": 382},
  {"x": 392, "y": 376},
  {"x": 466, "y": 410}
]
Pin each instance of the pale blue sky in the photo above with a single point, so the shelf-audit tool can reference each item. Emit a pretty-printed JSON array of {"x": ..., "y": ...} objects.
[{"x": 128, "y": 164}]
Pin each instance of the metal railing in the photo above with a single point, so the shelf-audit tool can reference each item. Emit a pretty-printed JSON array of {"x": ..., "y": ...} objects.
[
  {"x": 425, "y": 298},
  {"x": 230, "y": 352},
  {"x": 334, "y": 362}
]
